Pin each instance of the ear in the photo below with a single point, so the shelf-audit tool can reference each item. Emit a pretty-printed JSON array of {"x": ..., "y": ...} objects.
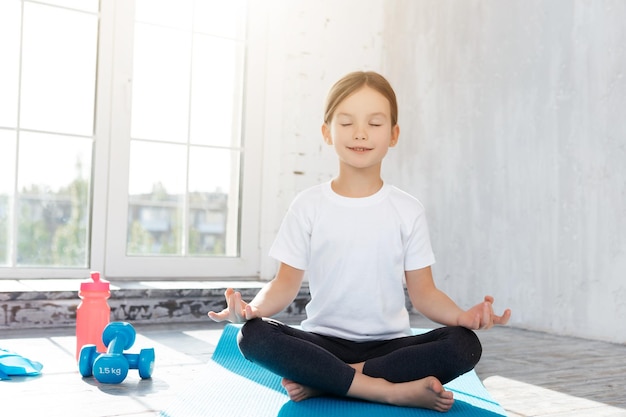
[
  {"x": 326, "y": 134},
  {"x": 395, "y": 134}
]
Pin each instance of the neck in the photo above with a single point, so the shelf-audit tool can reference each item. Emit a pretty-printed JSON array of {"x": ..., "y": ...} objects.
[{"x": 357, "y": 183}]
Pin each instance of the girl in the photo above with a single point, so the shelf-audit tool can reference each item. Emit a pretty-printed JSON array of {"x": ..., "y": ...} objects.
[{"x": 360, "y": 242}]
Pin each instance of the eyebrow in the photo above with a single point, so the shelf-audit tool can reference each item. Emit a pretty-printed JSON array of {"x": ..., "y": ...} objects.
[{"x": 369, "y": 115}]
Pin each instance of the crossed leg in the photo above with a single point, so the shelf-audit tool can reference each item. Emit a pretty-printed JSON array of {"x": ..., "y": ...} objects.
[
  {"x": 406, "y": 372},
  {"x": 423, "y": 393}
]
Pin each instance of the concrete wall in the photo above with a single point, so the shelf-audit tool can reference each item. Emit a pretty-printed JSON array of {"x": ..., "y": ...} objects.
[
  {"x": 311, "y": 44},
  {"x": 513, "y": 121}
]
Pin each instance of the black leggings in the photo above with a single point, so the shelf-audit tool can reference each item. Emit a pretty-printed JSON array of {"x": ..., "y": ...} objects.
[{"x": 321, "y": 362}]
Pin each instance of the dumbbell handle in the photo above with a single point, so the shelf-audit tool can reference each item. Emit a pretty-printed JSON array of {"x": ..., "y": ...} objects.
[
  {"x": 142, "y": 361},
  {"x": 133, "y": 359},
  {"x": 116, "y": 345}
]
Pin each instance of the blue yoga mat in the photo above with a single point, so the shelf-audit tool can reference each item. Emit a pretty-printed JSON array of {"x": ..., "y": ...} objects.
[{"x": 233, "y": 385}]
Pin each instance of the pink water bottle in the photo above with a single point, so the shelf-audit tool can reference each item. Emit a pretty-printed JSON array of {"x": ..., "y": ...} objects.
[{"x": 93, "y": 313}]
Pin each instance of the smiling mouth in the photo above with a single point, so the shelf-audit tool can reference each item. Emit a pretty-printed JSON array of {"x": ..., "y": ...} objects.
[{"x": 359, "y": 149}]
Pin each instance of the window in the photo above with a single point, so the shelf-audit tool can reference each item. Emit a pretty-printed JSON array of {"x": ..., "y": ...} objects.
[
  {"x": 122, "y": 138},
  {"x": 189, "y": 125},
  {"x": 47, "y": 102}
]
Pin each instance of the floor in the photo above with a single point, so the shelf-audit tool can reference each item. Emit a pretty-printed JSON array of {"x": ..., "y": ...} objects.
[{"x": 528, "y": 373}]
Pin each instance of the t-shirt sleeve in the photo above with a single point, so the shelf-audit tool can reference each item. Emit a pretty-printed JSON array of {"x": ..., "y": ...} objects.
[
  {"x": 292, "y": 243},
  {"x": 419, "y": 253}
]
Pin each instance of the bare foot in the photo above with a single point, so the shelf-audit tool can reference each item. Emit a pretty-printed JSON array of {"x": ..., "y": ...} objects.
[
  {"x": 298, "y": 392},
  {"x": 424, "y": 393}
]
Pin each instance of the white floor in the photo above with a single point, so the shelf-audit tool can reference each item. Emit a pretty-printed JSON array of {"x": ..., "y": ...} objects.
[{"x": 182, "y": 352}]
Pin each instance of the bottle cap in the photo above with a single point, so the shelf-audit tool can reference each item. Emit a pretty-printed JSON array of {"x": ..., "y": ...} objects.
[{"x": 95, "y": 283}]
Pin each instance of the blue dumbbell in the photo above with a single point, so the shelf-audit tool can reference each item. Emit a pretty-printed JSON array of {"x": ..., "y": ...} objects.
[
  {"x": 88, "y": 354},
  {"x": 112, "y": 367},
  {"x": 142, "y": 361}
]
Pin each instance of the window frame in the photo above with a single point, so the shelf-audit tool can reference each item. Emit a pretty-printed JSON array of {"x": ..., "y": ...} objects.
[
  {"x": 40, "y": 272},
  {"x": 110, "y": 164},
  {"x": 117, "y": 263}
]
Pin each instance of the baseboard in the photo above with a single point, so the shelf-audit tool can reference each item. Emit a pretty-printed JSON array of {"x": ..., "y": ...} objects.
[{"x": 54, "y": 305}]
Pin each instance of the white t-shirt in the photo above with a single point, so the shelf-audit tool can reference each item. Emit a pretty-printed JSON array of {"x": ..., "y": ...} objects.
[{"x": 355, "y": 252}]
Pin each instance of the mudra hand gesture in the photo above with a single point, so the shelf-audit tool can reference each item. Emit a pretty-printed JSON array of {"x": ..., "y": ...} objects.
[
  {"x": 236, "y": 310},
  {"x": 482, "y": 317}
]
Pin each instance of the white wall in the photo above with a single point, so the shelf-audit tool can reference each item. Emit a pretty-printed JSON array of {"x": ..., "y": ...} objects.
[
  {"x": 311, "y": 44},
  {"x": 513, "y": 136}
]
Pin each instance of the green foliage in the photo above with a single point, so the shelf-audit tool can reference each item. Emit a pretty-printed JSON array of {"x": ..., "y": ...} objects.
[
  {"x": 53, "y": 225},
  {"x": 140, "y": 241}
]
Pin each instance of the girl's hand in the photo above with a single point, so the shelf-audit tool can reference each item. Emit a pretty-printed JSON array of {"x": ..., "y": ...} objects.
[
  {"x": 236, "y": 310},
  {"x": 481, "y": 316}
]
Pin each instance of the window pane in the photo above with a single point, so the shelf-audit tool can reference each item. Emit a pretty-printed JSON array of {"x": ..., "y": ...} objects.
[
  {"x": 174, "y": 14},
  {"x": 225, "y": 19},
  {"x": 216, "y": 92},
  {"x": 53, "y": 197},
  {"x": 187, "y": 89},
  {"x": 213, "y": 201},
  {"x": 161, "y": 71},
  {"x": 58, "y": 69},
  {"x": 87, "y": 5},
  {"x": 156, "y": 197},
  {"x": 9, "y": 69},
  {"x": 7, "y": 183}
]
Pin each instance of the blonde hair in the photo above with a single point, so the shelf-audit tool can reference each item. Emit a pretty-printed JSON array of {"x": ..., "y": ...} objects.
[{"x": 354, "y": 81}]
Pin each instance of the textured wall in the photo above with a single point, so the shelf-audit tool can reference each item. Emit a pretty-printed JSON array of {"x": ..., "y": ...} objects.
[
  {"x": 514, "y": 129},
  {"x": 311, "y": 44},
  {"x": 513, "y": 136}
]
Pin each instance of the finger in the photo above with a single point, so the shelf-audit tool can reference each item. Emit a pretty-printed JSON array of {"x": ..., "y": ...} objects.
[
  {"x": 228, "y": 293},
  {"x": 240, "y": 306},
  {"x": 221, "y": 316},
  {"x": 504, "y": 318},
  {"x": 233, "y": 311},
  {"x": 487, "y": 320},
  {"x": 229, "y": 304},
  {"x": 489, "y": 299},
  {"x": 249, "y": 313},
  {"x": 234, "y": 306},
  {"x": 476, "y": 322}
]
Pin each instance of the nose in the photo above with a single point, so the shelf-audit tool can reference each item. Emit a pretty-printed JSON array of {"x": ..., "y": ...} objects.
[{"x": 360, "y": 134}]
